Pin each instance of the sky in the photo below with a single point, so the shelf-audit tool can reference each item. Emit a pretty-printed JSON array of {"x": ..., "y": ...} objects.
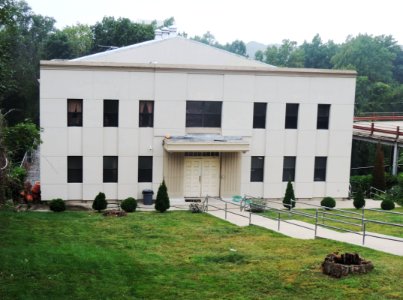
[{"x": 264, "y": 21}]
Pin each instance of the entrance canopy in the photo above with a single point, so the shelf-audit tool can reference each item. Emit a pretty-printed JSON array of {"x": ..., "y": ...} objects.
[{"x": 205, "y": 143}]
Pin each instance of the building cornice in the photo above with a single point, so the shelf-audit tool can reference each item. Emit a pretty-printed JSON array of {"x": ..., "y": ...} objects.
[{"x": 78, "y": 65}]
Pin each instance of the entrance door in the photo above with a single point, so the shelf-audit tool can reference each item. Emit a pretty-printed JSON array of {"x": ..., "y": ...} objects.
[{"x": 202, "y": 176}]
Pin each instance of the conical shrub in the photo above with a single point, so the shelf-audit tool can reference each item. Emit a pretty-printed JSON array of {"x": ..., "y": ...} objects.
[{"x": 162, "y": 201}]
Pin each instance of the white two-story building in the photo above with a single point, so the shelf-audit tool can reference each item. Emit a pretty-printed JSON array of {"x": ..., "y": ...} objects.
[{"x": 207, "y": 121}]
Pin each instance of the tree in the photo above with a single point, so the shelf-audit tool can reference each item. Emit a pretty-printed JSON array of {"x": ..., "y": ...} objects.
[
  {"x": 369, "y": 56},
  {"x": 111, "y": 33},
  {"x": 100, "y": 202},
  {"x": 289, "y": 197},
  {"x": 237, "y": 47},
  {"x": 378, "y": 175},
  {"x": 286, "y": 55},
  {"x": 317, "y": 54},
  {"x": 162, "y": 201},
  {"x": 21, "y": 138}
]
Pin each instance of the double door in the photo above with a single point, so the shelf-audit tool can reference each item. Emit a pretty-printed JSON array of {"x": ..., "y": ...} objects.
[{"x": 202, "y": 176}]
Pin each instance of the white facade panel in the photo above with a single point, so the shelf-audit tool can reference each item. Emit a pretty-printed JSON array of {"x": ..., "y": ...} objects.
[
  {"x": 53, "y": 113},
  {"x": 141, "y": 86},
  {"x": 75, "y": 191},
  {"x": 54, "y": 141},
  {"x": 110, "y": 139},
  {"x": 128, "y": 142},
  {"x": 92, "y": 170},
  {"x": 93, "y": 111},
  {"x": 75, "y": 141},
  {"x": 205, "y": 87},
  {"x": 110, "y": 190},
  {"x": 128, "y": 113},
  {"x": 170, "y": 86},
  {"x": 111, "y": 85},
  {"x": 175, "y": 115},
  {"x": 237, "y": 118},
  {"x": 239, "y": 88},
  {"x": 93, "y": 141}
]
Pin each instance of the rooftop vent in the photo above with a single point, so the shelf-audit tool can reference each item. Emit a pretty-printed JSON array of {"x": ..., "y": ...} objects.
[{"x": 165, "y": 32}]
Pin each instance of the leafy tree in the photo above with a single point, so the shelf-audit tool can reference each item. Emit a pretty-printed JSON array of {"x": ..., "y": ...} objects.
[
  {"x": 289, "y": 197},
  {"x": 100, "y": 202},
  {"x": 111, "y": 32},
  {"x": 287, "y": 55},
  {"x": 237, "y": 47},
  {"x": 317, "y": 54},
  {"x": 21, "y": 138},
  {"x": 162, "y": 201},
  {"x": 259, "y": 55},
  {"x": 58, "y": 46},
  {"x": 378, "y": 176},
  {"x": 369, "y": 56}
]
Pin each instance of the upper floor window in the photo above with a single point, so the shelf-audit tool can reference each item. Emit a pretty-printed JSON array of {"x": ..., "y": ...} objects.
[
  {"x": 74, "y": 169},
  {"x": 259, "y": 115},
  {"x": 74, "y": 112},
  {"x": 291, "y": 116},
  {"x": 203, "y": 113},
  {"x": 257, "y": 169},
  {"x": 289, "y": 168},
  {"x": 320, "y": 168},
  {"x": 110, "y": 169},
  {"x": 146, "y": 114},
  {"x": 323, "y": 116},
  {"x": 111, "y": 113}
]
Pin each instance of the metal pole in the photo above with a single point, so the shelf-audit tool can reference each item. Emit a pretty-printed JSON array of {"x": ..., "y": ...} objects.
[
  {"x": 250, "y": 217},
  {"x": 395, "y": 159},
  {"x": 225, "y": 210},
  {"x": 363, "y": 217},
  {"x": 316, "y": 223},
  {"x": 278, "y": 225},
  {"x": 363, "y": 234}
]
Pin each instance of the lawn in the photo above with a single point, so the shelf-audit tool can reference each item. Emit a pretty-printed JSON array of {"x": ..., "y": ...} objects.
[
  {"x": 370, "y": 215},
  {"x": 175, "y": 255}
]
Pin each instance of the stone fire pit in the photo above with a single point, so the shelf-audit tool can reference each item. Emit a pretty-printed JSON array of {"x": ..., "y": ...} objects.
[{"x": 341, "y": 265}]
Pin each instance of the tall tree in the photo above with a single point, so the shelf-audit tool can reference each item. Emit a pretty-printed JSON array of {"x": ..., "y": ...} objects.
[
  {"x": 111, "y": 32},
  {"x": 317, "y": 54},
  {"x": 286, "y": 55}
]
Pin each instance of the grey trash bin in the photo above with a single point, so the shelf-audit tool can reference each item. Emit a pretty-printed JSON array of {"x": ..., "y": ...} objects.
[{"x": 148, "y": 197}]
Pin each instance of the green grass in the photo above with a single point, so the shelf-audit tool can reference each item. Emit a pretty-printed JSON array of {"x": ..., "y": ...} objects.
[
  {"x": 370, "y": 215},
  {"x": 175, "y": 255}
]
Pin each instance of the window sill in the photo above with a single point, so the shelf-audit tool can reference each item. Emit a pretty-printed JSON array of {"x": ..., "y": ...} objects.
[{"x": 209, "y": 130}]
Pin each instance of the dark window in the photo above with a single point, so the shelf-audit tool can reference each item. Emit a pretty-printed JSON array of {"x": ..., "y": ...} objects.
[
  {"x": 203, "y": 113},
  {"x": 110, "y": 169},
  {"x": 111, "y": 113},
  {"x": 74, "y": 169},
  {"x": 291, "y": 116},
  {"x": 146, "y": 116},
  {"x": 74, "y": 112},
  {"x": 289, "y": 168},
  {"x": 323, "y": 116},
  {"x": 320, "y": 168},
  {"x": 257, "y": 167},
  {"x": 145, "y": 169},
  {"x": 259, "y": 115}
]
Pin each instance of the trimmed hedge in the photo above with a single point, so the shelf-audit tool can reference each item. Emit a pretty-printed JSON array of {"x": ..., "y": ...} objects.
[
  {"x": 129, "y": 204},
  {"x": 100, "y": 202},
  {"x": 328, "y": 202},
  {"x": 387, "y": 205},
  {"x": 57, "y": 205}
]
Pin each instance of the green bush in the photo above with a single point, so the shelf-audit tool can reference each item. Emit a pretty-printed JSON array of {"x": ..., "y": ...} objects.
[
  {"x": 361, "y": 182},
  {"x": 162, "y": 201},
  {"x": 100, "y": 202},
  {"x": 257, "y": 205},
  {"x": 289, "y": 197},
  {"x": 387, "y": 204},
  {"x": 57, "y": 205},
  {"x": 359, "y": 200},
  {"x": 129, "y": 204},
  {"x": 328, "y": 202}
]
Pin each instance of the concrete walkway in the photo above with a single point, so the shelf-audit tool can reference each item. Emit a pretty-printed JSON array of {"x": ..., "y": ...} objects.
[{"x": 289, "y": 228}]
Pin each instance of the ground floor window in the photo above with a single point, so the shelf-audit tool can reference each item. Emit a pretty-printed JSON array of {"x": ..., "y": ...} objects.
[
  {"x": 289, "y": 168},
  {"x": 257, "y": 169},
  {"x": 145, "y": 169},
  {"x": 320, "y": 168},
  {"x": 110, "y": 169},
  {"x": 74, "y": 169}
]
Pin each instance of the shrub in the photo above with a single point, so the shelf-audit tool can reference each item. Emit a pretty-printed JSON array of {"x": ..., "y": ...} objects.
[
  {"x": 387, "y": 204},
  {"x": 359, "y": 201},
  {"x": 162, "y": 201},
  {"x": 361, "y": 182},
  {"x": 289, "y": 196},
  {"x": 129, "y": 204},
  {"x": 57, "y": 205},
  {"x": 257, "y": 205},
  {"x": 328, "y": 202},
  {"x": 100, "y": 202},
  {"x": 195, "y": 208}
]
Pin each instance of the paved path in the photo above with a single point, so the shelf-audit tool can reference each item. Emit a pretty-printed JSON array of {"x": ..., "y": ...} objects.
[{"x": 307, "y": 231}]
